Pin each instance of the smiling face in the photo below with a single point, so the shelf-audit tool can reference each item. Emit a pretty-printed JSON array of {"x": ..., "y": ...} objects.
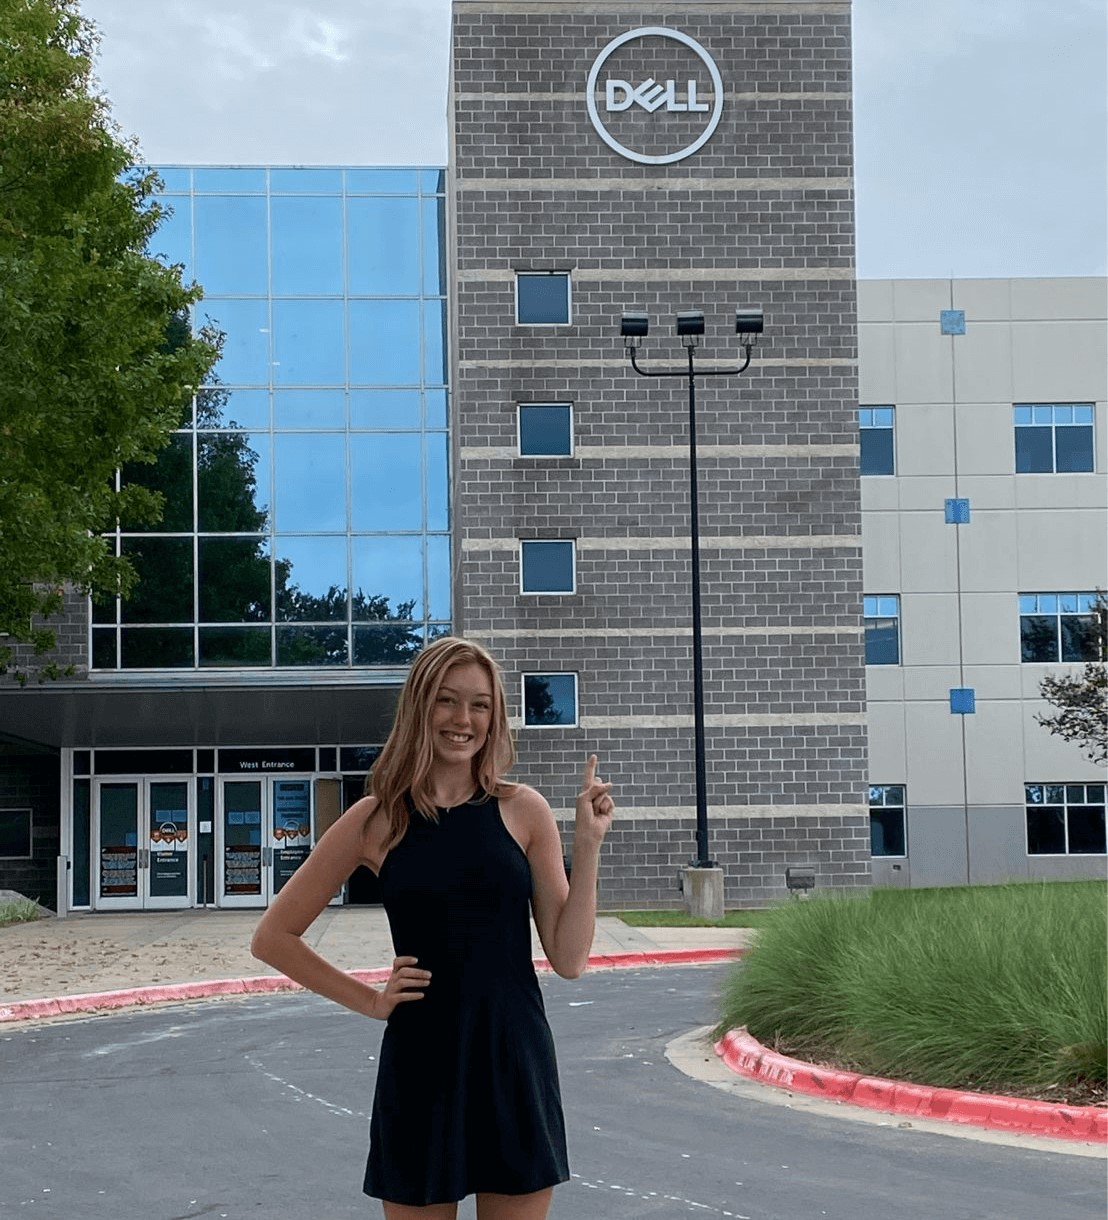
[{"x": 462, "y": 713}]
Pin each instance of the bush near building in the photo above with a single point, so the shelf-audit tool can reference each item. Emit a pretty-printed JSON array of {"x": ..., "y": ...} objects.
[{"x": 995, "y": 988}]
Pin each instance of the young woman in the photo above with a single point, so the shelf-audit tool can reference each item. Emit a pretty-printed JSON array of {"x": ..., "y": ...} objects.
[{"x": 467, "y": 1098}]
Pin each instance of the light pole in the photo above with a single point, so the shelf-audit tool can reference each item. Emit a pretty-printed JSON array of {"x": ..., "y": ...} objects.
[{"x": 690, "y": 327}]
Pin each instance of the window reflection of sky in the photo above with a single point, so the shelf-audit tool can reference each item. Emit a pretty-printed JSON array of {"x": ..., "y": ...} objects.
[
  {"x": 310, "y": 482},
  {"x": 319, "y": 279}
]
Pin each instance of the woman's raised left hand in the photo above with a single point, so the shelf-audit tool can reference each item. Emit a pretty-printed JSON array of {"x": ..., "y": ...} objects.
[{"x": 594, "y": 805}]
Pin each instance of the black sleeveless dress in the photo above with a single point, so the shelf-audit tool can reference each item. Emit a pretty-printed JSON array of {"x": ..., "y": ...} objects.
[{"x": 467, "y": 1097}]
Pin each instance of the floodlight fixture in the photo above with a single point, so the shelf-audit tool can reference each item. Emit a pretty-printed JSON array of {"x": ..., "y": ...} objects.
[
  {"x": 748, "y": 323},
  {"x": 635, "y": 325},
  {"x": 690, "y": 322}
]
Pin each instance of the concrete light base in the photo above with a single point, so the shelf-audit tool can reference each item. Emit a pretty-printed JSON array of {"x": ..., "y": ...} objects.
[{"x": 704, "y": 892}]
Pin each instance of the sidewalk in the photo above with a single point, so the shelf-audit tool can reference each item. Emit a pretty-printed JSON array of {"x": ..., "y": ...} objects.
[{"x": 108, "y": 952}]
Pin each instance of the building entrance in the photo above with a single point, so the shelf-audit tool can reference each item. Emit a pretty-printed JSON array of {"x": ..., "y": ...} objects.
[
  {"x": 264, "y": 834},
  {"x": 144, "y": 831}
]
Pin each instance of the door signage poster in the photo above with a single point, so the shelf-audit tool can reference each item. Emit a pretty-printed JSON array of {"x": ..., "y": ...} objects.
[
  {"x": 169, "y": 853},
  {"x": 292, "y": 828},
  {"x": 242, "y": 868},
  {"x": 118, "y": 871}
]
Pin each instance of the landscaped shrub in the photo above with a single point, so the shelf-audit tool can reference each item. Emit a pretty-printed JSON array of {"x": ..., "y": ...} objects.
[{"x": 999, "y": 988}]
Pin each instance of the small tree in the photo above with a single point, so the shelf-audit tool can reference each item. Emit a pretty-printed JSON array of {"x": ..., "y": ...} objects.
[
  {"x": 97, "y": 358},
  {"x": 1082, "y": 699}
]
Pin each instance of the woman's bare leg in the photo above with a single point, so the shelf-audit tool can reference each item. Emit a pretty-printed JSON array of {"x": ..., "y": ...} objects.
[
  {"x": 437, "y": 1211},
  {"x": 515, "y": 1207}
]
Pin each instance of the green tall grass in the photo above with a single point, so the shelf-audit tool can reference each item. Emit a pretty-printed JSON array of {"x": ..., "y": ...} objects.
[
  {"x": 18, "y": 910},
  {"x": 1001, "y": 988}
]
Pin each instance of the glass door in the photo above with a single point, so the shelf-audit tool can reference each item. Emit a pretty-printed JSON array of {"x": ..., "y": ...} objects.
[
  {"x": 116, "y": 885},
  {"x": 240, "y": 873},
  {"x": 169, "y": 838},
  {"x": 143, "y": 832}
]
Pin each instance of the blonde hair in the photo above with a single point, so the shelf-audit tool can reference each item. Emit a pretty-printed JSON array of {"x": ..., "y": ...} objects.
[{"x": 401, "y": 772}]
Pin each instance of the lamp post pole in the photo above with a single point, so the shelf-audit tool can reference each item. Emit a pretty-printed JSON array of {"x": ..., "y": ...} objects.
[{"x": 690, "y": 326}]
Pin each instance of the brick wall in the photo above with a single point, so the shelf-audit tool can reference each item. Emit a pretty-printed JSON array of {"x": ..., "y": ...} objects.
[
  {"x": 761, "y": 215},
  {"x": 33, "y": 781}
]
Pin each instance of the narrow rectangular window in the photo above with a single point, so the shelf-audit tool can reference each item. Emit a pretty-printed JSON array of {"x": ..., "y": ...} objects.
[
  {"x": 875, "y": 434},
  {"x": 1054, "y": 438},
  {"x": 881, "y": 620},
  {"x": 887, "y": 831},
  {"x": 549, "y": 699},
  {"x": 547, "y": 567},
  {"x": 15, "y": 834},
  {"x": 545, "y": 429},
  {"x": 542, "y": 298},
  {"x": 1065, "y": 819}
]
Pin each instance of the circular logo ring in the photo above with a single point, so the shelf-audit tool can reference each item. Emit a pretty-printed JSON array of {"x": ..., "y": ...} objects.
[{"x": 594, "y": 114}]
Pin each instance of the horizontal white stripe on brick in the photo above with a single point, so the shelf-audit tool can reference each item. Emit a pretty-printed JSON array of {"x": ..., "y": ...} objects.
[
  {"x": 753, "y": 542},
  {"x": 732, "y": 186},
  {"x": 649, "y": 633},
  {"x": 613, "y": 362},
  {"x": 666, "y": 275},
  {"x": 682, "y": 813},
  {"x": 578, "y": 95},
  {"x": 604, "y": 453},
  {"x": 735, "y": 721}
]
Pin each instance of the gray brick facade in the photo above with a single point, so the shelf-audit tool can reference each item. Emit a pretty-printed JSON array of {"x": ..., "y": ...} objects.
[{"x": 761, "y": 215}]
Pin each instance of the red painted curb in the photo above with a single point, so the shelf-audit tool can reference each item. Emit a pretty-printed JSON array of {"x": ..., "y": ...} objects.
[
  {"x": 748, "y": 1057},
  {"x": 132, "y": 997}
]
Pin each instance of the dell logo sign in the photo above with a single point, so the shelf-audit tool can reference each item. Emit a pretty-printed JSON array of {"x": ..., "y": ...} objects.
[
  {"x": 650, "y": 95},
  {"x": 681, "y": 94}
]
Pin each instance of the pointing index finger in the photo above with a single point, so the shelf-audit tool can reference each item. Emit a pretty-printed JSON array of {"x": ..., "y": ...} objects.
[{"x": 590, "y": 770}]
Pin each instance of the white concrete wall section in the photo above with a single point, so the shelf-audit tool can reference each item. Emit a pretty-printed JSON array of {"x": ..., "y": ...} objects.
[{"x": 1042, "y": 341}]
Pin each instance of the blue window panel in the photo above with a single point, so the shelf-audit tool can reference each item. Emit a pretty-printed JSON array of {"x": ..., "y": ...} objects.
[
  {"x": 546, "y": 567},
  {"x": 549, "y": 699},
  {"x": 952, "y": 321},
  {"x": 1034, "y": 450},
  {"x": 305, "y": 180},
  {"x": 220, "y": 179},
  {"x": 389, "y": 568},
  {"x": 307, "y": 246},
  {"x": 432, "y": 181},
  {"x": 1083, "y": 413},
  {"x": 172, "y": 240},
  {"x": 1022, "y": 414},
  {"x": 386, "y": 481},
  {"x": 956, "y": 511},
  {"x": 233, "y": 482},
  {"x": 434, "y": 247},
  {"x": 384, "y": 343},
  {"x": 545, "y": 429},
  {"x": 217, "y": 408},
  {"x": 382, "y": 181},
  {"x": 1042, "y": 413},
  {"x": 382, "y": 237},
  {"x": 174, "y": 178},
  {"x": 438, "y": 481},
  {"x": 876, "y": 455},
  {"x": 1073, "y": 450},
  {"x": 309, "y": 345},
  {"x": 314, "y": 409},
  {"x": 311, "y": 579},
  {"x": 882, "y": 643},
  {"x": 438, "y": 577},
  {"x": 962, "y": 701},
  {"x": 434, "y": 408},
  {"x": 887, "y": 606},
  {"x": 1029, "y": 603},
  {"x": 232, "y": 245},
  {"x": 434, "y": 343},
  {"x": 542, "y": 299},
  {"x": 310, "y": 482},
  {"x": 246, "y": 347},
  {"x": 384, "y": 409}
]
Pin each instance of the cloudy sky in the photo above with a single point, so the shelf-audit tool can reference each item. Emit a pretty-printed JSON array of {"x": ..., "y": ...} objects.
[{"x": 981, "y": 126}]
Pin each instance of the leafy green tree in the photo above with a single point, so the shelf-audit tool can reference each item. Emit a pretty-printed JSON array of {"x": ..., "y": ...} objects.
[
  {"x": 97, "y": 358},
  {"x": 1082, "y": 698}
]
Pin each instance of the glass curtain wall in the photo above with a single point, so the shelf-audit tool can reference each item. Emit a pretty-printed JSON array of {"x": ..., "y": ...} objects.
[{"x": 306, "y": 497}]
